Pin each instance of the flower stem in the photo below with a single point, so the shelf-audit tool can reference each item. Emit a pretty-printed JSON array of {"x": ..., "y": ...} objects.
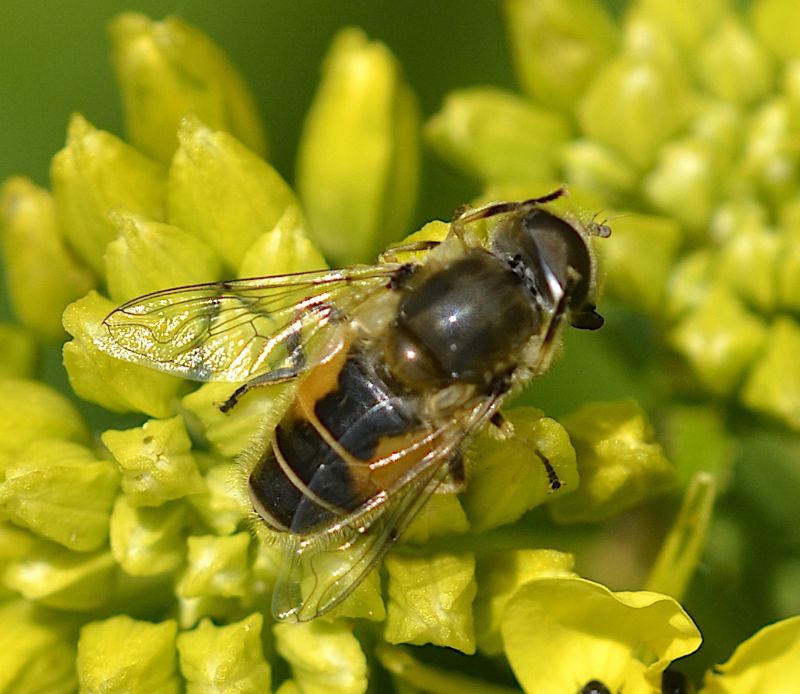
[{"x": 683, "y": 546}]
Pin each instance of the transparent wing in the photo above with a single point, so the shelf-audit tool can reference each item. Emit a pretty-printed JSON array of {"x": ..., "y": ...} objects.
[
  {"x": 237, "y": 330},
  {"x": 320, "y": 571}
]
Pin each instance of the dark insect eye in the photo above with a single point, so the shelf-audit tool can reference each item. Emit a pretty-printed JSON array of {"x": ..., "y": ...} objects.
[{"x": 557, "y": 245}]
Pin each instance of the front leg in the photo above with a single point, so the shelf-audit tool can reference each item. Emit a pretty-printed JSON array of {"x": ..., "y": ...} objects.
[{"x": 297, "y": 366}]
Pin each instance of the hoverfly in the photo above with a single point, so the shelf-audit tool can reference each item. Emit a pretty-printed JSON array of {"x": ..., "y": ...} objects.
[{"x": 398, "y": 365}]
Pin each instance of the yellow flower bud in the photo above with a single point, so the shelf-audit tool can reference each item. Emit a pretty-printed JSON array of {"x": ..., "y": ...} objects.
[
  {"x": 156, "y": 461},
  {"x": 498, "y": 137},
  {"x": 259, "y": 410},
  {"x": 225, "y": 658},
  {"x": 169, "y": 69},
  {"x": 638, "y": 263},
  {"x": 95, "y": 173},
  {"x": 686, "y": 21},
  {"x": 719, "y": 339},
  {"x": 97, "y": 376},
  {"x": 31, "y": 411},
  {"x": 41, "y": 273},
  {"x": 733, "y": 65},
  {"x": 441, "y": 515},
  {"x": 634, "y": 105},
  {"x": 282, "y": 250},
  {"x": 508, "y": 478},
  {"x": 121, "y": 655},
  {"x": 619, "y": 462},
  {"x": 147, "y": 256},
  {"x": 558, "y": 45},
  {"x": 221, "y": 191},
  {"x": 777, "y": 23},
  {"x": 359, "y": 160},
  {"x": 37, "y": 651},
  {"x": 773, "y": 386},
  {"x": 59, "y": 490},
  {"x": 324, "y": 656},
  {"x": 60, "y": 578},
  {"x": 216, "y": 566},
  {"x": 148, "y": 541},
  {"x": 220, "y": 506},
  {"x": 430, "y": 600},
  {"x": 684, "y": 184}
]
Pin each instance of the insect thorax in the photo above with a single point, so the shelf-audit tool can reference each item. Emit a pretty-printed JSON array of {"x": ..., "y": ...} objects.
[{"x": 465, "y": 323}]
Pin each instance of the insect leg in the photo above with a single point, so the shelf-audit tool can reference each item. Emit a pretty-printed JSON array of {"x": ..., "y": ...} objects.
[
  {"x": 553, "y": 480},
  {"x": 287, "y": 373},
  {"x": 549, "y": 341},
  {"x": 467, "y": 215},
  {"x": 505, "y": 428},
  {"x": 390, "y": 254}
]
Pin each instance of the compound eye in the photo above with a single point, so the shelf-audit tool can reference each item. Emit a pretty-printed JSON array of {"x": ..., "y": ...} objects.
[{"x": 559, "y": 246}]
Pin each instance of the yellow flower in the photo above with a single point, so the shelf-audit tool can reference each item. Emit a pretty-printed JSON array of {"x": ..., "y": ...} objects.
[
  {"x": 561, "y": 633},
  {"x": 768, "y": 661}
]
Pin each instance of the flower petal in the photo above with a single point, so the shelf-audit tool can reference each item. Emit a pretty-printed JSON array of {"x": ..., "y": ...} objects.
[
  {"x": 563, "y": 632},
  {"x": 769, "y": 661}
]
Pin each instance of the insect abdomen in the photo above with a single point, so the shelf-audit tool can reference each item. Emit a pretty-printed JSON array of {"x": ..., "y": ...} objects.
[{"x": 317, "y": 469}]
